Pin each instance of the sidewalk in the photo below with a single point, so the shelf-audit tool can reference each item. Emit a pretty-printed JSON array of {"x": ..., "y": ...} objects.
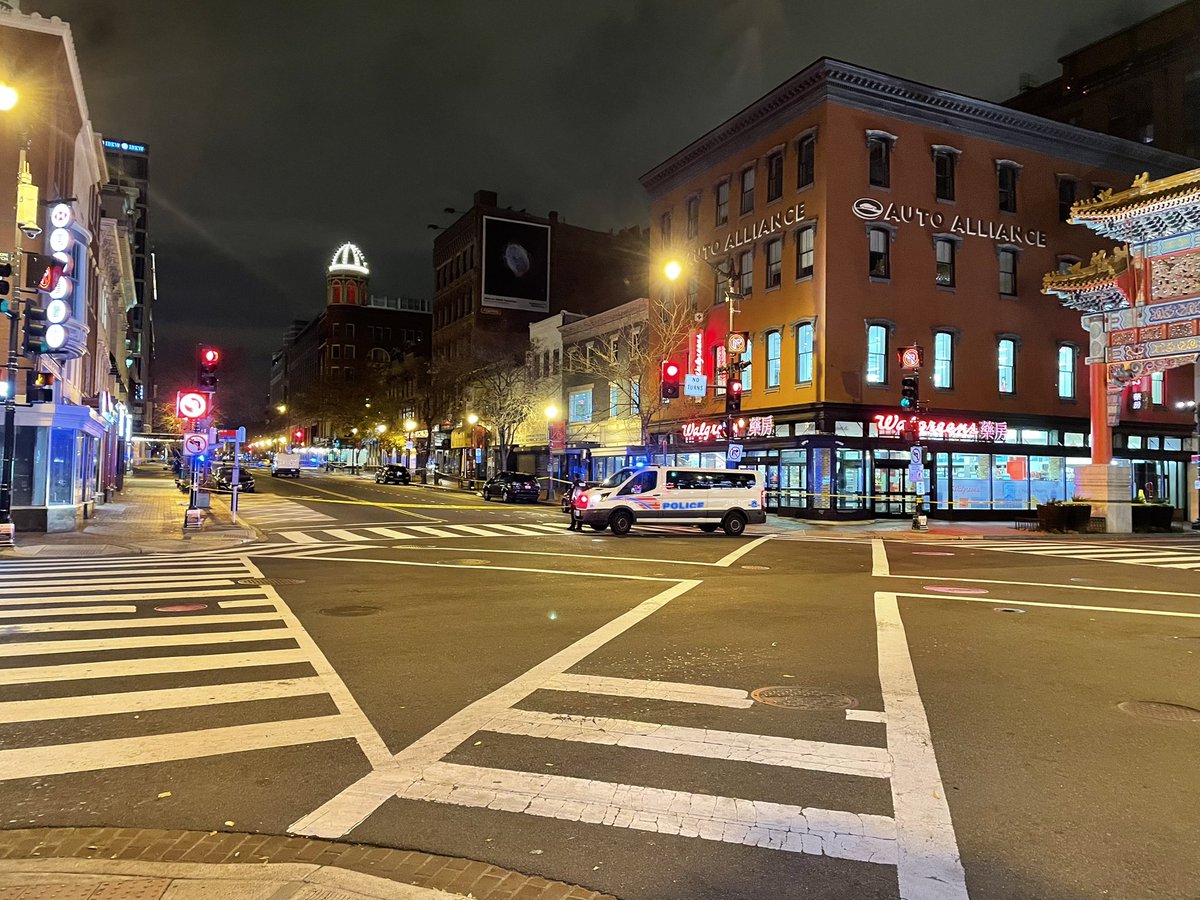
[
  {"x": 147, "y": 517},
  {"x": 152, "y": 864}
]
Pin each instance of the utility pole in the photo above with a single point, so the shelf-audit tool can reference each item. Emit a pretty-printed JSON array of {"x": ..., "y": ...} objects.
[{"x": 9, "y": 460}]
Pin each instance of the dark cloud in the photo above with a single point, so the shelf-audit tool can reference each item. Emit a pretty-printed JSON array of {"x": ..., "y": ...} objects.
[{"x": 281, "y": 128}]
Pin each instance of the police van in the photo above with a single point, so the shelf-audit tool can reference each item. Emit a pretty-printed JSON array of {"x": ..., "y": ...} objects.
[{"x": 675, "y": 495}]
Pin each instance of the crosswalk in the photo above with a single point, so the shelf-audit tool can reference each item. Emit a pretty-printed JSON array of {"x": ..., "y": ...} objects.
[
  {"x": 204, "y": 660},
  {"x": 268, "y": 511},
  {"x": 410, "y": 532},
  {"x": 1159, "y": 556}
]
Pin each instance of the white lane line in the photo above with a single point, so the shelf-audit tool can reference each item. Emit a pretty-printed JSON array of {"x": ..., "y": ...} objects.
[
  {"x": 98, "y": 578},
  {"x": 167, "y": 698},
  {"x": 344, "y": 535},
  {"x": 429, "y": 529},
  {"x": 298, "y": 537},
  {"x": 179, "y": 596},
  {"x": 153, "y": 665},
  {"x": 60, "y": 759},
  {"x": 675, "y": 691},
  {"x": 123, "y": 624},
  {"x": 1111, "y": 609},
  {"x": 552, "y": 553},
  {"x": 564, "y": 573},
  {"x": 70, "y": 645},
  {"x": 389, "y": 533},
  {"x": 556, "y": 526},
  {"x": 879, "y": 560},
  {"x": 820, "y": 756},
  {"x": 44, "y": 611},
  {"x": 1044, "y": 584},
  {"x": 755, "y": 823},
  {"x": 158, "y": 565},
  {"x": 928, "y": 862},
  {"x": 369, "y": 740},
  {"x": 95, "y": 586},
  {"x": 865, "y": 715},
  {"x": 343, "y": 812},
  {"x": 472, "y": 529},
  {"x": 513, "y": 529},
  {"x": 730, "y": 558},
  {"x": 237, "y": 604}
]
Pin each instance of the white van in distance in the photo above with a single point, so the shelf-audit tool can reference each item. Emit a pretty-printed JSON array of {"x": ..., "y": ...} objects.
[{"x": 675, "y": 495}]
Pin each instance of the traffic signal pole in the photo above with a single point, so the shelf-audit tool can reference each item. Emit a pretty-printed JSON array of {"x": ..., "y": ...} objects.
[{"x": 8, "y": 462}]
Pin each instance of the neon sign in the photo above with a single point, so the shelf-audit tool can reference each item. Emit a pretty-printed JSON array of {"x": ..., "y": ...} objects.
[
  {"x": 710, "y": 432},
  {"x": 698, "y": 357},
  {"x": 125, "y": 145},
  {"x": 893, "y": 425}
]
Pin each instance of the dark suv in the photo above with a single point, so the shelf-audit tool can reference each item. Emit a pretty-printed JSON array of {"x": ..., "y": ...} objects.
[
  {"x": 509, "y": 486},
  {"x": 392, "y": 474}
]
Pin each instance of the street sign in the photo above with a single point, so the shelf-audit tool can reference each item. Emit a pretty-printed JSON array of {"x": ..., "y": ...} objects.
[
  {"x": 194, "y": 443},
  {"x": 916, "y": 473},
  {"x": 191, "y": 404},
  {"x": 239, "y": 435},
  {"x": 915, "y": 455},
  {"x": 735, "y": 452},
  {"x": 695, "y": 385}
]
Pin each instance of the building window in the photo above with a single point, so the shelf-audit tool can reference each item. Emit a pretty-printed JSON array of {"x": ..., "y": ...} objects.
[
  {"x": 335, "y": 351},
  {"x": 877, "y": 341},
  {"x": 693, "y": 292},
  {"x": 721, "y": 283},
  {"x": 804, "y": 353},
  {"x": 337, "y": 329},
  {"x": 1066, "y": 372},
  {"x": 746, "y": 375},
  {"x": 943, "y": 360},
  {"x": 579, "y": 406},
  {"x": 774, "y": 262},
  {"x": 945, "y": 262},
  {"x": 805, "y": 251},
  {"x": 880, "y": 261},
  {"x": 775, "y": 176},
  {"x": 635, "y": 397},
  {"x": 747, "y": 190},
  {"x": 1066, "y": 196},
  {"x": 943, "y": 173},
  {"x": 879, "y": 169},
  {"x": 1006, "y": 182},
  {"x": 806, "y": 158},
  {"x": 1008, "y": 272},
  {"x": 1157, "y": 388},
  {"x": 666, "y": 229},
  {"x": 774, "y": 349},
  {"x": 722, "y": 203},
  {"x": 746, "y": 273},
  {"x": 1006, "y": 358},
  {"x": 614, "y": 401},
  {"x": 693, "y": 216}
]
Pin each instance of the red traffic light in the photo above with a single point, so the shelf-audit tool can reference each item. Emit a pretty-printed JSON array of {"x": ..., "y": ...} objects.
[
  {"x": 671, "y": 370},
  {"x": 298, "y": 434},
  {"x": 669, "y": 382},
  {"x": 210, "y": 356},
  {"x": 735, "y": 387}
]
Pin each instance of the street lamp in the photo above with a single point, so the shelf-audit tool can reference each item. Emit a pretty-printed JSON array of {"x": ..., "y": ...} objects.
[
  {"x": 281, "y": 408},
  {"x": 8, "y": 461},
  {"x": 8, "y": 97},
  {"x": 551, "y": 418}
]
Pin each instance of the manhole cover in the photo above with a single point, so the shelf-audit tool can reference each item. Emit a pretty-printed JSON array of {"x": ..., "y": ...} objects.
[
  {"x": 948, "y": 589},
  {"x": 349, "y": 612},
  {"x": 931, "y": 553},
  {"x": 757, "y": 568},
  {"x": 471, "y": 562},
  {"x": 182, "y": 607},
  {"x": 803, "y": 698},
  {"x": 266, "y": 581},
  {"x": 1009, "y": 609},
  {"x": 1163, "y": 712}
]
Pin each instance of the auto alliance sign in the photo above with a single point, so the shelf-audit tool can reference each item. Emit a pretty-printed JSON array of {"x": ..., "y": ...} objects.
[{"x": 872, "y": 210}]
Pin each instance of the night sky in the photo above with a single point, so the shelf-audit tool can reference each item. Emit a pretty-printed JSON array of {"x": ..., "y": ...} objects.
[{"x": 280, "y": 128}]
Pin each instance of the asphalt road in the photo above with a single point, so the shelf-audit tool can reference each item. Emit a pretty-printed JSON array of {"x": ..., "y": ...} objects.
[{"x": 939, "y": 720}]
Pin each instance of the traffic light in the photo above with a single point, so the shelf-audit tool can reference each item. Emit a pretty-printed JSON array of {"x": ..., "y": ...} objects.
[
  {"x": 298, "y": 436},
  {"x": 206, "y": 371},
  {"x": 910, "y": 391},
  {"x": 733, "y": 396},
  {"x": 39, "y": 387},
  {"x": 7, "y": 303},
  {"x": 37, "y": 326},
  {"x": 670, "y": 379}
]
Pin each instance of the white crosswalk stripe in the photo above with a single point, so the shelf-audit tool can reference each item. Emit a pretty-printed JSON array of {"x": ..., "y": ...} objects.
[
  {"x": 265, "y": 511},
  {"x": 411, "y": 532},
  {"x": 1159, "y": 556},
  {"x": 78, "y": 623}
]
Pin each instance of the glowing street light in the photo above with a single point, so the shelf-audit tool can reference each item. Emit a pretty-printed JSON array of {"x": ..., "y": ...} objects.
[
  {"x": 551, "y": 412},
  {"x": 380, "y": 429},
  {"x": 410, "y": 425},
  {"x": 673, "y": 270},
  {"x": 8, "y": 97},
  {"x": 472, "y": 419},
  {"x": 281, "y": 408}
]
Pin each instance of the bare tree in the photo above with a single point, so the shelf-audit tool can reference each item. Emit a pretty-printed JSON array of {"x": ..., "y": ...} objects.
[{"x": 502, "y": 390}]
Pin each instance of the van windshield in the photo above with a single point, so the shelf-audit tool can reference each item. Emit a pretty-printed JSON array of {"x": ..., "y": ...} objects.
[{"x": 616, "y": 478}]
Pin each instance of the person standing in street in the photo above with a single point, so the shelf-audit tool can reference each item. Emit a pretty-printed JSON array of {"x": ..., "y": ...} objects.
[{"x": 578, "y": 486}]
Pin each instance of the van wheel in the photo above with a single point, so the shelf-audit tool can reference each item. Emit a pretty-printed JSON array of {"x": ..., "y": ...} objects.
[
  {"x": 708, "y": 528},
  {"x": 734, "y": 524},
  {"x": 620, "y": 522}
]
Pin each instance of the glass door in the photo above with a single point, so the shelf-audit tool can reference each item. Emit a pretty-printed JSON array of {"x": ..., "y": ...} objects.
[{"x": 892, "y": 497}]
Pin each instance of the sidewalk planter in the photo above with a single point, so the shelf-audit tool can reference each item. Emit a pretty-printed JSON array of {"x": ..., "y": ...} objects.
[
  {"x": 1152, "y": 516},
  {"x": 1064, "y": 516}
]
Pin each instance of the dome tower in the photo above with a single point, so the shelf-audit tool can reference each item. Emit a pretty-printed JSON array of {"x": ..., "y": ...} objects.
[{"x": 347, "y": 277}]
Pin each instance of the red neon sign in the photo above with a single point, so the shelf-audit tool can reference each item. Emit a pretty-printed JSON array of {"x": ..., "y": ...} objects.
[{"x": 892, "y": 425}]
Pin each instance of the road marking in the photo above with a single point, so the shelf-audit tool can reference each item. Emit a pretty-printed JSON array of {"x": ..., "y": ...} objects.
[
  {"x": 730, "y": 558},
  {"x": 43, "y": 611},
  {"x": 165, "y": 698},
  {"x": 117, "y": 585},
  {"x": 165, "y": 621},
  {"x": 602, "y": 556},
  {"x": 436, "y": 532},
  {"x": 71, "y": 645},
  {"x": 471, "y": 529},
  {"x": 820, "y": 756},
  {"x": 1111, "y": 609},
  {"x": 299, "y": 537},
  {"x": 1145, "y": 555},
  {"x": 340, "y": 814},
  {"x": 189, "y": 594},
  {"x": 650, "y": 690},
  {"x": 153, "y": 665},
  {"x": 565, "y": 574},
  {"x": 513, "y": 529},
  {"x": 928, "y": 862},
  {"x": 879, "y": 560},
  {"x": 865, "y": 715},
  {"x": 754, "y": 823},
  {"x": 238, "y": 604},
  {"x": 387, "y": 532},
  {"x": 1065, "y": 587},
  {"x": 343, "y": 534},
  {"x": 60, "y": 759}
]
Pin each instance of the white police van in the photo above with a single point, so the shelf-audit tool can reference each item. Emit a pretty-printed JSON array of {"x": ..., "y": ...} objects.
[{"x": 676, "y": 495}]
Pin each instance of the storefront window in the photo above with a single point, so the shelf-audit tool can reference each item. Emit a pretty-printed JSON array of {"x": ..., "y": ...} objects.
[
  {"x": 848, "y": 429},
  {"x": 62, "y": 465},
  {"x": 1010, "y": 482},
  {"x": 1034, "y": 436},
  {"x": 972, "y": 483},
  {"x": 942, "y": 480},
  {"x": 1073, "y": 439},
  {"x": 29, "y": 485},
  {"x": 793, "y": 478},
  {"x": 1046, "y": 479},
  {"x": 851, "y": 479}
]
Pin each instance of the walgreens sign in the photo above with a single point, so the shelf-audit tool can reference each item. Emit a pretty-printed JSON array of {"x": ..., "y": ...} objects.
[{"x": 893, "y": 425}]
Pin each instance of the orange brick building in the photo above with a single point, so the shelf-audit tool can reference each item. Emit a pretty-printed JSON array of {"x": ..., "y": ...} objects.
[{"x": 861, "y": 213}]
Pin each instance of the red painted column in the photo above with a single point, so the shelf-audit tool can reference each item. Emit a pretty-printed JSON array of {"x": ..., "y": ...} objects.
[{"x": 1101, "y": 431}]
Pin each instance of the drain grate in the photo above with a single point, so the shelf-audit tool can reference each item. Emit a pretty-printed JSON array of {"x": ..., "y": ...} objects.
[
  {"x": 265, "y": 581},
  {"x": 1009, "y": 609},
  {"x": 350, "y": 612},
  {"x": 809, "y": 698},
  {"x": 1159, "y": 711}
]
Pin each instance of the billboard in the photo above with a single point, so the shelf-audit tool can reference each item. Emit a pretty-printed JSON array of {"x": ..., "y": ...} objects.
[{"x": 516, "y": 265}]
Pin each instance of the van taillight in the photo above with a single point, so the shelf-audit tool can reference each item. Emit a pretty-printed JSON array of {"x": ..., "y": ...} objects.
[
  {"x": 581, "y": 500},
  {"x": 762, "y": 499}
]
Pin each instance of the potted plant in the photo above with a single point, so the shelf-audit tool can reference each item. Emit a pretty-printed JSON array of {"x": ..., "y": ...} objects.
[
  {"x": 1052, "y": 516},
  {"x": 1152, "y": 515},
  {"x": 1079, "y": 513}
]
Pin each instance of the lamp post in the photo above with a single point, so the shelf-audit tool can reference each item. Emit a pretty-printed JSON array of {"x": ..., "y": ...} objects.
[
  {"x": 672, "y": 270},
  {"x": 410, "y": 444},
  {"x": 354, "y": 452},
  {"x": 8, "y": 99},
  {"x": 551, "y": 420}
]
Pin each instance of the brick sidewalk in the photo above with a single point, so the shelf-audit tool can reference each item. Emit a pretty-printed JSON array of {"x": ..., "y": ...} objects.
[{"x": 231, "y": 849}]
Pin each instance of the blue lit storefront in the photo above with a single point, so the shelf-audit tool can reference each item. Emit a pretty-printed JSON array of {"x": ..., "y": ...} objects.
[{"x": 858, "y": 468}]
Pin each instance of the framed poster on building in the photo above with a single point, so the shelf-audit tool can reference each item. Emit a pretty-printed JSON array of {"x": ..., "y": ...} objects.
[{"x": 516, "y": 265}]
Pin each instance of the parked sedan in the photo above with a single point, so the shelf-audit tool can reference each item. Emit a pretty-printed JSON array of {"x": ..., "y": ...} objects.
[
  {"x": 510, "y": 486},
  {"x": 391, "y": 474},
  {"x": 222, "y": 479}
]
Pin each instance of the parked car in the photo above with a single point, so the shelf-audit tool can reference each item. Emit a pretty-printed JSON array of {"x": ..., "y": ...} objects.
[
  {"x": 510, "y": 486},
  {"x": 222, "y": 479},
  {"x": 392, "y": 474}
]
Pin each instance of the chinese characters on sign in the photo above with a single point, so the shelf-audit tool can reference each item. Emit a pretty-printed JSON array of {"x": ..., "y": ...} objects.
[
  {"x": 708, "y": 432},
  {"x": 760, "y": 426},
  {"x": 892, "y": 425}
]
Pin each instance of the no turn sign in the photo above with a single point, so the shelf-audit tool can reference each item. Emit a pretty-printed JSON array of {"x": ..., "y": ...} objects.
[{"x": 194, "y": 443}]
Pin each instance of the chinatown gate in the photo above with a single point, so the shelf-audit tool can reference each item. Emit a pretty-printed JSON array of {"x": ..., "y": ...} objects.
[{"x": 1141, "y": 310}]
